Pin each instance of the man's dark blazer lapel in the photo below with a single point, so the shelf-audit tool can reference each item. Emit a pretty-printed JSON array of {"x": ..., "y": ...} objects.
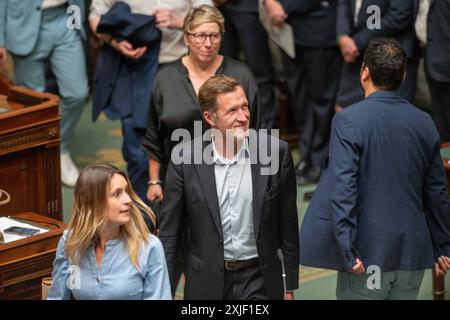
[
  {"x": 259, "y": 183},
  {"x": 207, "y": 179},
  {"x": 352, "y": 13}
]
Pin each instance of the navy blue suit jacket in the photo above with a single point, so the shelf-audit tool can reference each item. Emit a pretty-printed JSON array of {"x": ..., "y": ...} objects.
[
  {"x": 313, "y": 22},
  {"x": 438, "y": 40},
  {"x": 242, "y": 5},
  {"x": 382, "y": 196},
  {"x": 123, "y": 86},
  {"x": 396, "y": 21}
]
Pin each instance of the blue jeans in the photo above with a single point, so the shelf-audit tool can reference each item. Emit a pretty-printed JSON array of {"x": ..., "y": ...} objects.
[
  {"x": 393, "y": 285},
  {"x": 63, "y": 49}
]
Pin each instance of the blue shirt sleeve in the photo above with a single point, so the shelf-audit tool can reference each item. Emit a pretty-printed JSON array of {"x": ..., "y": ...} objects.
[
  {"x": 60, "y": 274},
  {"x": 156, "y": 283}
]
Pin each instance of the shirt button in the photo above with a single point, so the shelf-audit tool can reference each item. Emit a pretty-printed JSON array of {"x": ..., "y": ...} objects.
[
  {"x": 220, "y": 268},
  {"x": 38, "y": 8}
]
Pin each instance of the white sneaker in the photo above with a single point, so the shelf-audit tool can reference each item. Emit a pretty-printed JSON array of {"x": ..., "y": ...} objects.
[{"x": 69, "y": 172}]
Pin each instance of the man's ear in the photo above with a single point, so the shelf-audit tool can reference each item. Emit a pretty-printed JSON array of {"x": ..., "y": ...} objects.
[
  {"x": 365, "y": 74},
  {"x": 209, "y": 119},
  {"x": 404, "y": 76}
]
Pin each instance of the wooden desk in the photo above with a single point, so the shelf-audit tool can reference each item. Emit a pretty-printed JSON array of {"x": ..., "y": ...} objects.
[
  {"x": 23, "y": 263},
  {"x": 29, "y": 152}
]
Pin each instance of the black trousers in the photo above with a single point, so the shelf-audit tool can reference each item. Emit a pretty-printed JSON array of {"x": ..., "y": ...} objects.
[
  {"x": 245, "y": 284},
  {"x": 440, "y": 105},
  {"x": 312, "y": 79},
  {"x": 244, "y": 31}
]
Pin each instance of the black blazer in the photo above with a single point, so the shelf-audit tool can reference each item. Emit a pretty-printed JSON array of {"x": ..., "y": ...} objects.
[
  {"x": 397, "y": 18},
  {"x": 313, "y": 22},
  {"x": 190, "y": 199},
  {"x": 438, "y": 40},
  {"x": 249, "y": 6}
]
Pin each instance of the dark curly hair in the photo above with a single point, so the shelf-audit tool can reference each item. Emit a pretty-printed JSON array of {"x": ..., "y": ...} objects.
[{"x": 386, "y": 61}]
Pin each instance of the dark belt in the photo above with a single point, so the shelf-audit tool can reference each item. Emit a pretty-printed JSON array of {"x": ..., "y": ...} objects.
[{"x": 235, "y": 265}]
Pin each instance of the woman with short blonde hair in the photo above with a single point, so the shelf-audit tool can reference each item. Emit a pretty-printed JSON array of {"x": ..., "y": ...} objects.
[
  {"x": 107, "y": 251},
  {"x": 201, "y": 15}
]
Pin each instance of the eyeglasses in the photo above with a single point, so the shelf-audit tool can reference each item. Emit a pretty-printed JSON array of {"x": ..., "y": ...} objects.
[{"x": 199, "y": 38}]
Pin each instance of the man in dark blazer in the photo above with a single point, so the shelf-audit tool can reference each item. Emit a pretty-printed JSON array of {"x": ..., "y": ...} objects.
[
  {"x": 382, "y": 202},
  {"x": 436, "y": 41},
  {"x": 239, "y": 207},
  {"x": 356, "y": 27},
  {"x": 312, "y": 77}
]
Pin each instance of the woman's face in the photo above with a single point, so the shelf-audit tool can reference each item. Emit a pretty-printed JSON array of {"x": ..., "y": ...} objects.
[
  {"x": 204, "y": 42},
  {"x": 119, "y": 202}
]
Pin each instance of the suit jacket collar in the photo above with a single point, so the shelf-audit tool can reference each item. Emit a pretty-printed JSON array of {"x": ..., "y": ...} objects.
[
  {"x": 383, "y": 94},
  {"x": 206, "y": 174}
]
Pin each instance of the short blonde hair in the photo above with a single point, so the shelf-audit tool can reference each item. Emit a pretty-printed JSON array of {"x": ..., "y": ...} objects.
[
  {"x": 201, "y": 15},
  {"x": 89, "y": 213}
]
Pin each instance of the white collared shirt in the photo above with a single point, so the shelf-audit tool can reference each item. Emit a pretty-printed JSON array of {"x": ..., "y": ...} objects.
[
  {"x": 421, "y": 21},
  {"x": 235, "y": 195},
  {"x": 47, "y": 4},
  {"x": 358, "y": 5}
]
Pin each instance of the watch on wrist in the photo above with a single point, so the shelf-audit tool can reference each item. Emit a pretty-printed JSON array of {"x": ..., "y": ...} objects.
[{"x": 153, "y": 182}]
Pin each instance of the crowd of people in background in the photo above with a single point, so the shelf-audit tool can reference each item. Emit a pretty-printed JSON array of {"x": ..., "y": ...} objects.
[{"x": 168, "y": 64}]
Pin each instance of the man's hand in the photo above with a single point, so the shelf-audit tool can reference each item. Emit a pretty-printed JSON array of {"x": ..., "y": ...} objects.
[
  {"x": 3, "y": 55},
  {"x": 442, "y": 266},
  {"x": 358, "y": 267},
  {"x": 126, "y": 49},
  {"x": 289, "y": 296},
  {"x": 154, "y": 192},
  {"x": 349, "y": 49},
  {"x": 276, "y": 12},
  {"x": 166, "y": 19}
]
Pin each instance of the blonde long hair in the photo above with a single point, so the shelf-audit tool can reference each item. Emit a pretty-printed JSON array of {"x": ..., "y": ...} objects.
[{"x": 89, "y": 213}]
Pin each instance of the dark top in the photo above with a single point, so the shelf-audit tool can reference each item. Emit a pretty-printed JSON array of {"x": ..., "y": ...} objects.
[
  {"x": 242, "y": 5},
  {"x": 313, "y": 22},
  {"x": 396, "y": 21},
  {"x": 438, "y": 41},
  {"x": 174, "y": 105}
]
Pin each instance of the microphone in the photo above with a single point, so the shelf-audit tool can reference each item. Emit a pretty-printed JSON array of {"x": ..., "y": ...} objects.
[{"x": 281, "y": 257}]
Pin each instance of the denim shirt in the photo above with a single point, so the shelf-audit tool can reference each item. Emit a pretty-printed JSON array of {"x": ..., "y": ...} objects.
[{"x": 117, "y": 278}]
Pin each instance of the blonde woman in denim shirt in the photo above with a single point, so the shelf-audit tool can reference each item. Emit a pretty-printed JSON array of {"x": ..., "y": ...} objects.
[{"x": 107, "y": 251}]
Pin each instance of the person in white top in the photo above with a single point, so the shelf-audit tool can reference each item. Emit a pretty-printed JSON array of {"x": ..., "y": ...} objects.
[{"x": 169, "y": 17}]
